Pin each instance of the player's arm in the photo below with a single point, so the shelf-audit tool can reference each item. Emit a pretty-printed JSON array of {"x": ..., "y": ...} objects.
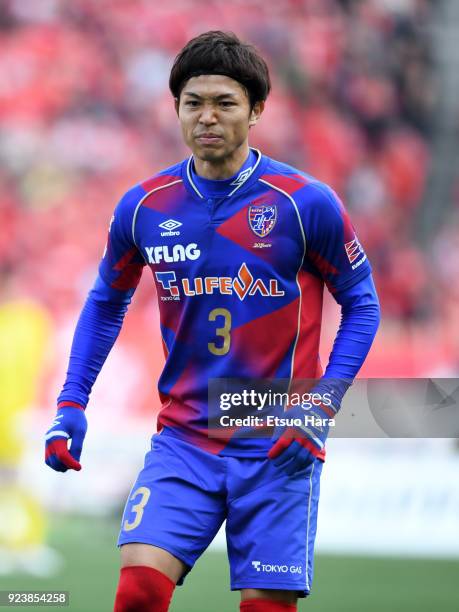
[
  {"x": 334, "y": 253},
  {"x": 98, "y": 327}
]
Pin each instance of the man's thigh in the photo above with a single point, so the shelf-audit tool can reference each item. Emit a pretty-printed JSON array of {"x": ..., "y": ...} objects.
[
  {"x": 271, "y": 526},
  {"x": 178, "y": 501}
]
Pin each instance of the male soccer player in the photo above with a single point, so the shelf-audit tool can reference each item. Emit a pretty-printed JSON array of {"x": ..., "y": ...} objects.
[{"x": 239, "y": 247}]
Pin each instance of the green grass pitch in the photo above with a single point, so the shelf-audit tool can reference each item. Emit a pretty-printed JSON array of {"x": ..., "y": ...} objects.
[{"x": 341, "y": 584}]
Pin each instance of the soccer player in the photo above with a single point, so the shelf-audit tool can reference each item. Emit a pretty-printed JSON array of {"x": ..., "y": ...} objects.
[{"x": 240, "y": 247}]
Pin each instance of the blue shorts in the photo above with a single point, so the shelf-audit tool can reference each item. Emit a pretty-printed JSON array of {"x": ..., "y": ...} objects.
[{"x": 184, "y": 494}]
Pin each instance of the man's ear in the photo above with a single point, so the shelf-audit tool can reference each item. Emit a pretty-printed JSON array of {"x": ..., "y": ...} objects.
[
  {"x": 255, "y": 113},
  {"x": 176, "y": 105}
]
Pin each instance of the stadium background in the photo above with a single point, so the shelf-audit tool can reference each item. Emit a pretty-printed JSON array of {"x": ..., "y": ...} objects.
[{"x": 365, "y": 98}]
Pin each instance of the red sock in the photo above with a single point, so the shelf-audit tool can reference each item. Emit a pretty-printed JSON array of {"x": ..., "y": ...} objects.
[
  {"x": 143, "y": 589},
  {"x": 266, "y": 605}
]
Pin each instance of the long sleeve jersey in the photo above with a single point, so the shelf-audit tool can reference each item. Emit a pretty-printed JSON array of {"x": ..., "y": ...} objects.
[{"x": 239, "y": 280}]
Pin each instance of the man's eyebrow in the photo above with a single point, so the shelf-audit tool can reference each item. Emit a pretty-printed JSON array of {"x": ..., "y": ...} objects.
[{"x": 219, "y": 97}]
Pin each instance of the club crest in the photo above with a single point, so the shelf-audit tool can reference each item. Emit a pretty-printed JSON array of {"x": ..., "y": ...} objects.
[{"x": 262, "y": 219}]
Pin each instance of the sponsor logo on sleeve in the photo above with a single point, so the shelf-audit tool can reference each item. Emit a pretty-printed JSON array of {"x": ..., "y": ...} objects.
[{"x": 354, "y": 251}]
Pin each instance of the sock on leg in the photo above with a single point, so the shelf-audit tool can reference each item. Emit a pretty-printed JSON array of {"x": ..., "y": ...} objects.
[
  {"x": 143, "y": 589},
  {"x": 266, "y": 605}
]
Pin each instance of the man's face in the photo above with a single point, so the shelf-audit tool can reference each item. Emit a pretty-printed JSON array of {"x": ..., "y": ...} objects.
[{"x": 215, "y": 116}]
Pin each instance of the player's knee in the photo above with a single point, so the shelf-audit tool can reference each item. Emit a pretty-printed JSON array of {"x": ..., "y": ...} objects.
[
  {"x": 267, "y": 600},
  {"x": 135, "y": 554},
  {"x": 143, "y": 589}
]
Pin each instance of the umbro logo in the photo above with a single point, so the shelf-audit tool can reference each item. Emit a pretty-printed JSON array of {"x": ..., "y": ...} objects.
[
  {"x": 170, "y": 226},
  {"x": 242, "y": 176}
]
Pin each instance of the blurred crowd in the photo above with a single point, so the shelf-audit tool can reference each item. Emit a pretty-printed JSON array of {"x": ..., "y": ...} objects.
[{"x": 85, "y": 112}]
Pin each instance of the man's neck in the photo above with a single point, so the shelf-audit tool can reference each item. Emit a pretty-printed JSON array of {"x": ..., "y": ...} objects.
[{"x": 222, "y": 169}]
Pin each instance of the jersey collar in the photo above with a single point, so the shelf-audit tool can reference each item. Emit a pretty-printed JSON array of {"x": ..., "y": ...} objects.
[{"x": 243, "y": 180}]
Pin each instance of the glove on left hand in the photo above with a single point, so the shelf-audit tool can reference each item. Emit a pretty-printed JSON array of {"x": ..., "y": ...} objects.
[
  {"x": 69, "y": 423},
  {"x": 295, "y": 448}
]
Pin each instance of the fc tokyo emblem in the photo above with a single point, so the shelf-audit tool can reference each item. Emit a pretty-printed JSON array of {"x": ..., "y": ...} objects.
[{"x": 262, "y": 219}]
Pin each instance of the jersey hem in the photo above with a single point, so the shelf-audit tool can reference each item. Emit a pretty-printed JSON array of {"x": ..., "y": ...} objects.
[{"x": 243, "y": 453}]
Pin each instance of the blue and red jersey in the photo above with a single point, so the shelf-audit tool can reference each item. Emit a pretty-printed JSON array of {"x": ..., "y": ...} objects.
[{"x": 239, "y": 280}]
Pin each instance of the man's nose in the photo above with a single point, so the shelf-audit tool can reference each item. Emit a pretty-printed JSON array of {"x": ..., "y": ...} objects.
[{"x": 208, "y": 115}]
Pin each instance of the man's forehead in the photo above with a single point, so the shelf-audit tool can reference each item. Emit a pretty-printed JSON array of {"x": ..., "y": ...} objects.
[{"x": 213, "y": 86}]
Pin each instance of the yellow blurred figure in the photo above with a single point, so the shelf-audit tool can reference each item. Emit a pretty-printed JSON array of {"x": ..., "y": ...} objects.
[
  {"x": 25, "y": 334},
  {"x": 25, "y": 330},
  {"x": 23, "y": 523}
]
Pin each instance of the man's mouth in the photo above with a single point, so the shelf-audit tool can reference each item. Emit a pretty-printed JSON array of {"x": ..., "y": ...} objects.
[{"x": 208, "y": 138}]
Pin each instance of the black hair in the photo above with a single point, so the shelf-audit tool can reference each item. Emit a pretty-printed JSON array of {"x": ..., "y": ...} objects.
[{"x": 218, "y": 52}]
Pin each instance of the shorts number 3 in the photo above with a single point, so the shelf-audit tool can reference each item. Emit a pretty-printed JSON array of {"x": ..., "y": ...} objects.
[{"x": 137, "y": 508}]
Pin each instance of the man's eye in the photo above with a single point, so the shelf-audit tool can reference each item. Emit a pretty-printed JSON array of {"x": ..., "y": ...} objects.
[
  {"x": 227, "y": 103},
  {"x": 193, "y": 103}
]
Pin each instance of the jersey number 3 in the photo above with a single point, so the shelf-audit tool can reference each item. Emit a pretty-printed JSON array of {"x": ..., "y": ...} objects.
[{"x": 222, "y": 332}]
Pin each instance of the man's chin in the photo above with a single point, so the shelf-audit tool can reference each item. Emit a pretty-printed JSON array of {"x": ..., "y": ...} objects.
[{"x": 210, "y": 155}]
